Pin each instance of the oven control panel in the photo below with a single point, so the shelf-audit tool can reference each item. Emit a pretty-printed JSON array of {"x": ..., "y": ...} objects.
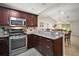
[{"x": 18, "y": 37}]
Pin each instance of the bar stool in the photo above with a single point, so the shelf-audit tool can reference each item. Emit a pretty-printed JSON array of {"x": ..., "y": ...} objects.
[{"x": 67, "y": 38}]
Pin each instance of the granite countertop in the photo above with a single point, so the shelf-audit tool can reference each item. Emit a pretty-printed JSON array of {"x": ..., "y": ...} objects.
[{"x": 47, "y": 35}]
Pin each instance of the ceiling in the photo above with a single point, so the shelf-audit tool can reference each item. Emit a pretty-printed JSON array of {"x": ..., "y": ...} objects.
[{"x": 56, "y": 11}]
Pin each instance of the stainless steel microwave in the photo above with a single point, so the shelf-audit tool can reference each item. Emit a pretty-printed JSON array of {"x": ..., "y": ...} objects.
[{"x": 17, "y": 21}]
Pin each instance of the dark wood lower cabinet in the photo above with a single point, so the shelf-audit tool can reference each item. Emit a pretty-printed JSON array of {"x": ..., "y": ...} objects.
[
  {"x": 45, "y": 46},
  {"x": 32, "y": 41},
  {"x": 48, "y": 47},
  {"x": 58, "y": 47},
  {"x": 4, "y": 46}
]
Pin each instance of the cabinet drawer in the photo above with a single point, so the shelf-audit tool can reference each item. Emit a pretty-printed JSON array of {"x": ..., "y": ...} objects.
[{"x": 46, "y": 50}]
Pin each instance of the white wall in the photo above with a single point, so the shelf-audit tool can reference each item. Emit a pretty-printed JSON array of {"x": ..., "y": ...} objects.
[
  {"x": 75, "y": 27},
  {"x": 46, "y": 20}
]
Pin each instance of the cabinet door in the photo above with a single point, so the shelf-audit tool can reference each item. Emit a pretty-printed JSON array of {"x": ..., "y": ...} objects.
[
  {"x": 34, "y": 20},
  {"x": 4, "y": 46},
  {"x": 31, "y": 20},
  {"x": 14, "y": 13},
  {"x": 4, "y": 16},
  {"x": 35, "y": 40},
  {"x": 40, "y": 45},
  {"x": 29, "y": 41},
  {"x": 48, "y": 47},
  {"x": 23, "y": 15},
  {"x": 45, "y": 46},
  {"x": 32, "y": 41}
]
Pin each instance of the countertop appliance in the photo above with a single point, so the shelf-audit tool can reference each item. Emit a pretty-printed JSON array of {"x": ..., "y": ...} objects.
[
  {"x": 17, "y": 21},
  {"x": 17, "y": 41}
]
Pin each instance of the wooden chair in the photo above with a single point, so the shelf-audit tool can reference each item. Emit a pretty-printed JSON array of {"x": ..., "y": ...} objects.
[{"x": 67, "y": 38}]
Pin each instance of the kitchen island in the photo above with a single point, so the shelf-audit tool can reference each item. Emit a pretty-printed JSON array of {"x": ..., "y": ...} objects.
[{"x": 46, "y": 43}]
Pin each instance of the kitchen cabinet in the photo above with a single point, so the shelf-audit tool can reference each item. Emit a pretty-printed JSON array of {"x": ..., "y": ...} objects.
[
  {"x": 31, "y": 20},
  {"x": 14, "y": 13},
  {"x": 4, "y": 16},
  {"x": 17, "y": 14},
  {"x": 6, "y": 13},
  {"x": 46, "y": 46},
  {"x": 4, "y": 46},
  {"x": 23, "y": 15},
  {"x": 51, "y": 47},
  {"x": 30, "y": 41}
]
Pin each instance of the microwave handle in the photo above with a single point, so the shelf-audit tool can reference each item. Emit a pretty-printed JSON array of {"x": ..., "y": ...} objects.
[{"x": 24, "y": 22}]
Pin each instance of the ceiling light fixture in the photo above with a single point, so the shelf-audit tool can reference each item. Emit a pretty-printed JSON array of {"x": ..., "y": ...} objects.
[
  {"x": 62, "y": 12},
  {"x": 33, "y": 9}
]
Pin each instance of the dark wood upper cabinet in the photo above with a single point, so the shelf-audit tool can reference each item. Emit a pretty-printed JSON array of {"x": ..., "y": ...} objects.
[
  {"x": 6, "y": 13},
  {"x": 31, "y": 20},
  {"x": 4, "y": 16},
  {"x": 23, "y": 15},
  {"x": 17, "y": 14},
  {"x": 14, "y": 13}
]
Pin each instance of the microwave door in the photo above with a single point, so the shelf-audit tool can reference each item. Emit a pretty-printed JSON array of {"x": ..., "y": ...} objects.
[
  {"x": 17, "y": 22},
  {"x": 11, "y": 20}
]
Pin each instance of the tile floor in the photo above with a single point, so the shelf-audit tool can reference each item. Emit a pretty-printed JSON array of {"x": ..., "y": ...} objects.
[
  {"x": 73, "y": 50},
  {"x": 31, "y": 52}
]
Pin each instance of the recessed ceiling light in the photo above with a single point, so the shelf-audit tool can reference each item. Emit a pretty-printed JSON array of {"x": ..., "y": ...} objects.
[
  {"x": 33, "y": 9},
  {"x": 61, "y": 12}
]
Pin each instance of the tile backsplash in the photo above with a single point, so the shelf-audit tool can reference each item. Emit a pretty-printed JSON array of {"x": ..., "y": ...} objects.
[{"x": 31, "y": 29}]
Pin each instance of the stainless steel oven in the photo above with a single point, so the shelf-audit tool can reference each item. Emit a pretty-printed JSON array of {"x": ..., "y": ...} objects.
[{"x": 17, "y": 41}]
